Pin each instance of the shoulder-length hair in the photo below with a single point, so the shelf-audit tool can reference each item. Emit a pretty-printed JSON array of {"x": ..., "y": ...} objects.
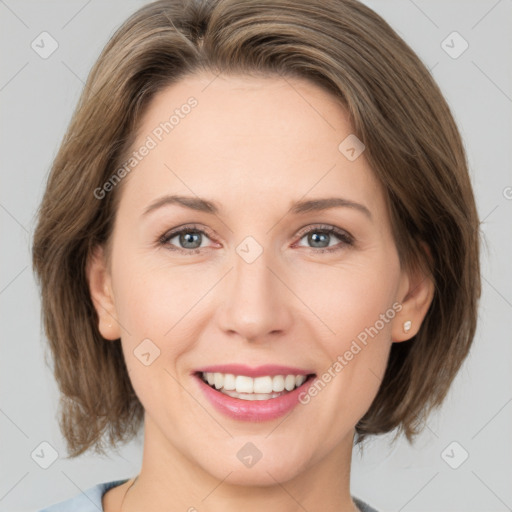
[{"x": 395, "y": 108}]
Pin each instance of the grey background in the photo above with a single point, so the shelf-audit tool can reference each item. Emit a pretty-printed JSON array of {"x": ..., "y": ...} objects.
[{"x": 37, "y": 98}]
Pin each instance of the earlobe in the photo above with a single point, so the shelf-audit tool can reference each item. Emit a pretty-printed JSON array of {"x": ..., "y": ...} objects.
[
  {"x": 418, "y": 293},
  {"x": 100, "y": 289}
]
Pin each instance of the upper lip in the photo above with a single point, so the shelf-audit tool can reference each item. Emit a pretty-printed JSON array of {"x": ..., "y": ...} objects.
[{"x": 254, "y": 371}]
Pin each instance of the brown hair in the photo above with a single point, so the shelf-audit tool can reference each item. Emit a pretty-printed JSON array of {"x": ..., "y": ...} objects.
[{"x": 396, "y": 109}]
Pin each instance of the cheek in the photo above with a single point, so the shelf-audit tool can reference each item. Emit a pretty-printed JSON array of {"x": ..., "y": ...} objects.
[
  {"x": 351, "y": 300},
  {"x": 157, "y": 310},
  {"x": 160, "y": 309},
  {"x": 356, "y": 306},
  {"x": 155, "y": 302}
]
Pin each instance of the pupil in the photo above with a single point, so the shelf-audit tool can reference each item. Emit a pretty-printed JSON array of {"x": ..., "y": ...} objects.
[
  {"x": 188, "y": 238},
  {"x": 315, "y": 238}
]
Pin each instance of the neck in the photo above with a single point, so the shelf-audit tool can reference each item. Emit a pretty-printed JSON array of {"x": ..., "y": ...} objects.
[{"x": 169, "y": 481}]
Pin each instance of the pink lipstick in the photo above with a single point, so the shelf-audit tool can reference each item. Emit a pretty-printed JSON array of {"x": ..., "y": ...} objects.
[{"x": 254, "y": 394}]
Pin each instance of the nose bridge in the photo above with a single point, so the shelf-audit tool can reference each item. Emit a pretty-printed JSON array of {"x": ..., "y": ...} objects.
[{"x": 255, "y": 304}]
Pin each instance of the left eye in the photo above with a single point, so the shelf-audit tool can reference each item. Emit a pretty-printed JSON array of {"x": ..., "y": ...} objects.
[{"x": 319, "y": 236}]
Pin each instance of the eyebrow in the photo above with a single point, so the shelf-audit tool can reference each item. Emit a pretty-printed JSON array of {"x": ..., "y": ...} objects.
[
  {"x": 297, "y": 208},
  {"x": 315, "y": 205},
  {"x": 194, "y": 203}
]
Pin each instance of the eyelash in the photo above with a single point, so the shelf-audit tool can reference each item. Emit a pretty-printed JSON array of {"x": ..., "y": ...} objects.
[{"x": 346, "y": 239}]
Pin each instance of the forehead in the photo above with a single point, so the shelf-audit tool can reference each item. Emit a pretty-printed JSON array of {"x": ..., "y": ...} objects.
[{"x": 225, "y": 136}]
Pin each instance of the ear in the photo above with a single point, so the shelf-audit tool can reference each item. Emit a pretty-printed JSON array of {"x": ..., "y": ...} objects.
[
  {"x": 416, "y": 291},
  {"x": 100, "y": 288}
]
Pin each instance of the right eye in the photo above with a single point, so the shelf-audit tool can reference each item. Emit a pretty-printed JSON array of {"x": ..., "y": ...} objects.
[{"x": 188, "y": 240}]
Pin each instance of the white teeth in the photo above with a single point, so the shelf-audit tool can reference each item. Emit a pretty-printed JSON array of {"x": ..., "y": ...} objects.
[
  {"x": 218, "y": 380},
  {"x": 259, "y": 388},
  {"x": 299, "y": 380},
  {"x": 262, "y": 385},
  {"x": 244, "y": 384},
  {"x": 289, "y": 382},
  {"x": 251, "y": 396},
  {"x": 278, "y": 383},
  {"x": 229, "y": 382}
]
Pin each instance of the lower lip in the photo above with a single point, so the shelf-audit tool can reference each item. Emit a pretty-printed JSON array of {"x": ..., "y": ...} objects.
[{"x": 253, "y": 410}]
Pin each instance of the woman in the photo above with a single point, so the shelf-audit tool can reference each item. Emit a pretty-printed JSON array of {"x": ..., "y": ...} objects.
[{"x": 259, "y": 239}]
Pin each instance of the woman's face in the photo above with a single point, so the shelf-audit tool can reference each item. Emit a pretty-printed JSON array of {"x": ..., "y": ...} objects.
[{"x": 255, "y": 280}]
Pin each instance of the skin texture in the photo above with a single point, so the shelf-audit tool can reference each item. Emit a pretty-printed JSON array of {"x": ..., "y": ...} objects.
[{"x": 254, "y": 146}]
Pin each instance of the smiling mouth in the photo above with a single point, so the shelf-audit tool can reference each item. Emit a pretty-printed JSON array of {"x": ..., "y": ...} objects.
[{"x": 248, "y": 388}]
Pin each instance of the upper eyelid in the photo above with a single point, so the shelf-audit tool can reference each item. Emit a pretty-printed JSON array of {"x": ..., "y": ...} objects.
[
  {"x": 323, "y": 227},
  {"x": 171, "y": 233}
]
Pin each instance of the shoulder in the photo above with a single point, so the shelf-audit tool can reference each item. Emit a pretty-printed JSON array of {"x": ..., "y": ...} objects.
[
  {"x": 87, "y": 501},
  {"x": 362, "y": 506}
]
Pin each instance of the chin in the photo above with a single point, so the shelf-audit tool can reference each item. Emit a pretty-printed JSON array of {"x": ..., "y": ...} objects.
[
  {"x": 259, "y": 475},
  {"x": 271, "y": 468}
]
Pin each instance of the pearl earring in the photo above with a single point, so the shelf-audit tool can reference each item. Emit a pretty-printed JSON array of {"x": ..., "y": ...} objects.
[{"x": 407, "y": 326}]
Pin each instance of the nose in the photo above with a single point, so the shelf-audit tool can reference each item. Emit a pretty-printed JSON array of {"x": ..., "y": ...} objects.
[{"x": 257, "y": 304}]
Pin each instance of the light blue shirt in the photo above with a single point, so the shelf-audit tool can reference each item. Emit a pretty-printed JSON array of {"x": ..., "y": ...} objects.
[
  {"x": 87, "y": 501},
  {"x": 90, "y": 500}
]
